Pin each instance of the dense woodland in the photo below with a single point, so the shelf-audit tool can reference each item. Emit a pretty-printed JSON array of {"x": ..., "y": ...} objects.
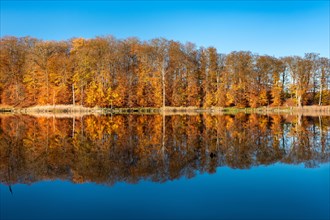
[
  {"x": 129, "y": 148},
  {"x": 108, "y": 72}
]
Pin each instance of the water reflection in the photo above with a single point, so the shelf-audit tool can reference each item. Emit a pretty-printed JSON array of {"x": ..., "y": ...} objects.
[{"x": 130, "y": 148}]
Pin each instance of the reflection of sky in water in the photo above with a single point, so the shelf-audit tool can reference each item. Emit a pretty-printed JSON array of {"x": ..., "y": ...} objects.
[{"x": 277, "y": 192}]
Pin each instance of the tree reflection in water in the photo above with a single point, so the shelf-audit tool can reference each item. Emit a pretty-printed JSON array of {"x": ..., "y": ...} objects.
[{"x": 130, "y": 148}]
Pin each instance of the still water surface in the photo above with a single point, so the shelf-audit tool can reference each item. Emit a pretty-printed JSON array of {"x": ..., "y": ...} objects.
[{"x": 184, "y": 167}]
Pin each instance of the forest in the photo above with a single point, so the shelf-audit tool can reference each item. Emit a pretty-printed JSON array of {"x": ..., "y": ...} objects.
[{"x": 111, "y": 73}]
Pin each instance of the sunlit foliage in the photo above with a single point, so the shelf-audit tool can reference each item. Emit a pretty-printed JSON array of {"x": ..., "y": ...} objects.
[{"x": 107, "y": 72}]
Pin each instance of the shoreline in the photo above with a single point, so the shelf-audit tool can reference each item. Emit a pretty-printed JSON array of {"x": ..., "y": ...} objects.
[{"x": 81, "y": 110}]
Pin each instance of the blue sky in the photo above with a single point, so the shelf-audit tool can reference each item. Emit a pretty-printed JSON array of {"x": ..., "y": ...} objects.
[{"x": 279, "y": 28}]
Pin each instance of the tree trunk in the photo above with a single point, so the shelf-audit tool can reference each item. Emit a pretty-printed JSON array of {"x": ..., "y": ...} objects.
[
  {"x": 47, "y": 82},
  {"x": 17, "y": 96},
  {"x": 163, "y": 85},
  {"x": 73, "y": 97},
  {"x": 73, "y": 125},
  {"x": 163, "y": 135},
  {"x": 54, "y": 127},
  {"x": 53, "y": 98},
  {"x": 322, "y": 138},
  {"x": 218, "y": 80},
  {"x": 299, "y": 101},
  {"x": 320, "y": 98},
  {"x": 82, "y": 96}
]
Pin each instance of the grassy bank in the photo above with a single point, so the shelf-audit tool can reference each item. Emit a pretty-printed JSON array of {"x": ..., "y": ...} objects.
[{"x": 77, "y": 109}]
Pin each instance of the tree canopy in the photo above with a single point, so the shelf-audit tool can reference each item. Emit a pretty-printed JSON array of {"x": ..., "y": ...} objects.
[{"x": 108, "y": 72}]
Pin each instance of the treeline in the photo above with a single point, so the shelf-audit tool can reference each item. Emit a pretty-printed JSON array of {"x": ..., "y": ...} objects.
[
  {"x": 108, "y": 72},
  {"x": 132, "y": 148}
]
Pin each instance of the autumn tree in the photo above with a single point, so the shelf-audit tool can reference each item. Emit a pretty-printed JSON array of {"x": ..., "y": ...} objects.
[
  {"x": 266, "y": 85},
  {"x": 193, "y": 84},
  {"x": 212, "y": 78},
  {"x": 149, "y": 89},
  {"x": 314, "y": 62},
  {"x": 300, "y": 72},
  {"x": 201, "y": 74},
  {"x": 42, "y": 58},
  {"x": 239, "y": 66},
  {"x": 324, "y": 81},
  {"x": 260, "y": 81},
  {"x": 176, "y": 75},
  {"x": 221, "y": 82},
  {"x": 13, "y": 66}
]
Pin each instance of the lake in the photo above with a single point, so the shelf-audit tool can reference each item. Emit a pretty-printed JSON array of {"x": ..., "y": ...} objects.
[{"x": 243, "y": 166}]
